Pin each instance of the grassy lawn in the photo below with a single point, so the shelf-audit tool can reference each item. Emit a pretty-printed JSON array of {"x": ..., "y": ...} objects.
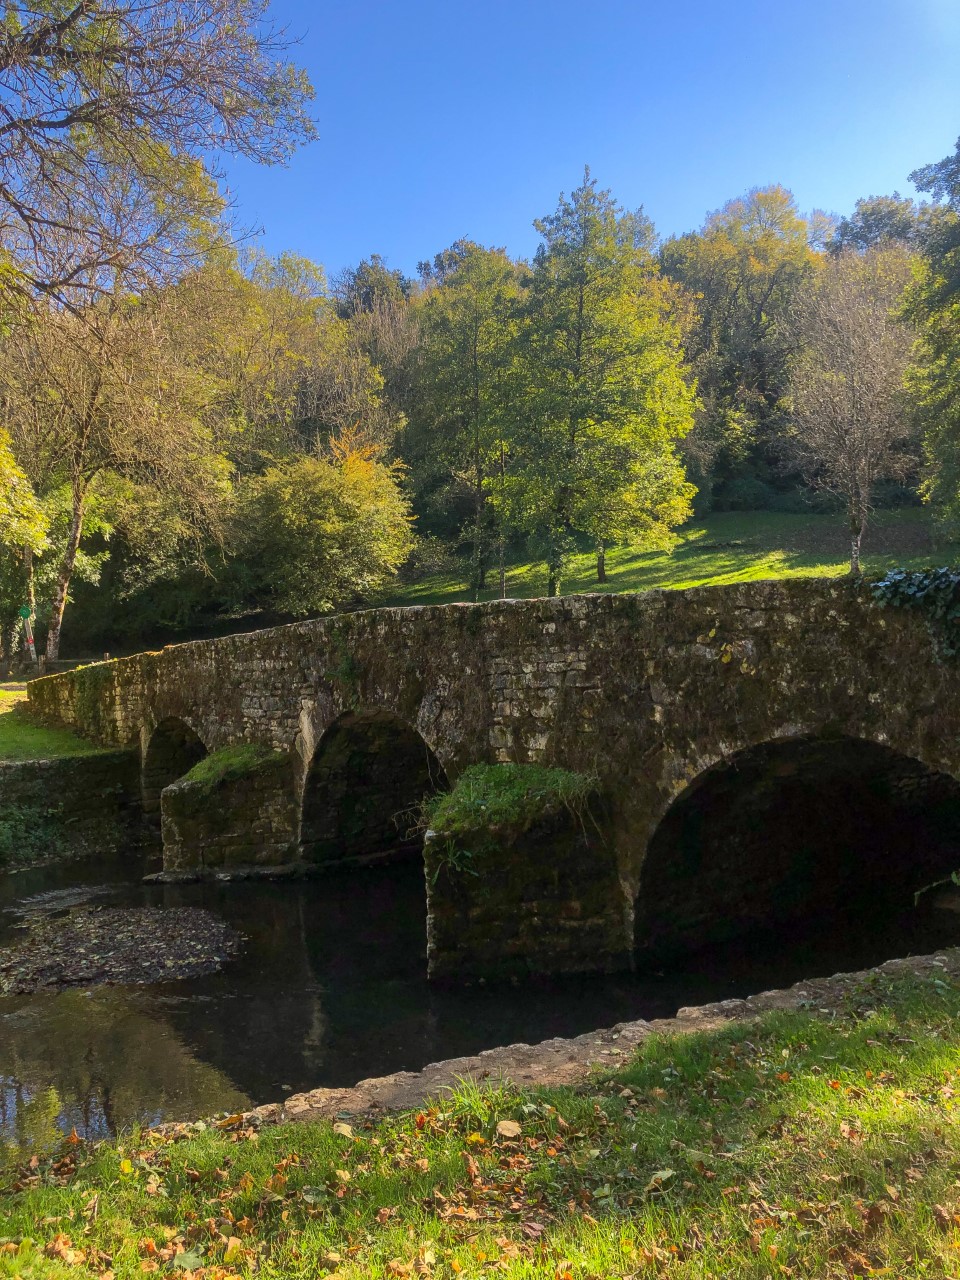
[
  {"x": 735, "y": 546},
  {"x": 792, "y": 1146},
  {"x": 23, "y": 739}
]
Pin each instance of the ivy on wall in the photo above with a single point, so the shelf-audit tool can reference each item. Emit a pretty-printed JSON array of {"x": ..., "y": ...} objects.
[{"x": 935, "y": 593}]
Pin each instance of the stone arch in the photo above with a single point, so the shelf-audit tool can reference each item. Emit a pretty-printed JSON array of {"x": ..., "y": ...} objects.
[
  {"x": 790, "y": 828},
  {"x": 363, "y": 787},
  {"x": 171, "y": 750}
]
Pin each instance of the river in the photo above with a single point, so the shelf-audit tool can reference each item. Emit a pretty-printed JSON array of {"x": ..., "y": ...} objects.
[{"x": 330, "y": 987}]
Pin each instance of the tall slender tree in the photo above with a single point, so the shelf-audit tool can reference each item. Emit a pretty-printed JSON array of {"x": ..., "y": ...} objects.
[
  {"x": 462, "y": 396},
  {"x": 604, "y": 396}
]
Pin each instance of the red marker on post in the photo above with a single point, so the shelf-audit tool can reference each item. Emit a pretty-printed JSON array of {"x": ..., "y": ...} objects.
[{"x": 27, "y": 616}]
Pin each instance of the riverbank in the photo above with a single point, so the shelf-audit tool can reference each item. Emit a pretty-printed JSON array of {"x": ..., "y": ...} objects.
[{"x": 803, "y": 1133}]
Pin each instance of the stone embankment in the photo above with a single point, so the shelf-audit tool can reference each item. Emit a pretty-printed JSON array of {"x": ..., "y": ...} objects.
[{"x": 69, "y": 807}]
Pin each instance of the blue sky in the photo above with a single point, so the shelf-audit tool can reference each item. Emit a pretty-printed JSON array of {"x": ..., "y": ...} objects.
[{"x": 439, "y": 120}]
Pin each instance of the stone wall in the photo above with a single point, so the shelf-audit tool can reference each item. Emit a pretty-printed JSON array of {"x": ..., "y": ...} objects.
[
  {"x": 233, "y": 824},
  {"x": 538, "y": 899},
  {"x": 645, "y": 691},
  {"x": 68, "y": 808}
]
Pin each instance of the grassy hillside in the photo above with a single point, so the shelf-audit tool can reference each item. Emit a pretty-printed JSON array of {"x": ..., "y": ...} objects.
[
  {"x": 23, "y": 739},
  {"x": 736, "y": 546}
]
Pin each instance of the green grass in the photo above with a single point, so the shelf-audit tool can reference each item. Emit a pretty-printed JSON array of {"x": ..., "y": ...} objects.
[
  {"x": 496, "y": 795},
  {"x": 737, "y": 546},
  {"x": 790, "y": 1147},
  {"x": 231, "y": 763},
  {"x": 22, "y": 738}
]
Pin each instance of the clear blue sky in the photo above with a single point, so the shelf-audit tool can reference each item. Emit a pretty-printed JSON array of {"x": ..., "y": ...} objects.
[{"x": 468, "y": 117}]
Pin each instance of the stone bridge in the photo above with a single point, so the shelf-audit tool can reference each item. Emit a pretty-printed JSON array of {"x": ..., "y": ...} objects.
[{"x": 759, "y": 749}]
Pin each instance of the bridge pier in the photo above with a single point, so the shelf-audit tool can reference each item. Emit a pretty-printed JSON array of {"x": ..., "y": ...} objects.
[
  {"x": 543, "y": 900},
  {"x": 233, "y": 822}
]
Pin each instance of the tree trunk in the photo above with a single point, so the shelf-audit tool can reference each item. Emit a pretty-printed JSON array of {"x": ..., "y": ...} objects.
[
  {"x": 857, "y": 530},
  {"x": 64, "y": 574},
  {"x": 601, "y": 561},
  {"x": 28, "y": 573},
  {"x": 503, "y": 570},
  {"x": 554, "y": 570}
]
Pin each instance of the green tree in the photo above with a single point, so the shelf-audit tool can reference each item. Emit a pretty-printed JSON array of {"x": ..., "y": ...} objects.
[
  {"x": 456, "y": 438},
  {"x": 880, "y": 220},
  {"x": 106, "y": 393},
  {"x": 317, "y": 532},
  {"x": 934, "y": 306},
  {"x": 23, "y": 534},
  {"x": 603, "y": 396},
  {"x": 285, "y": 370},
  {"x": 742, "y": 270}
]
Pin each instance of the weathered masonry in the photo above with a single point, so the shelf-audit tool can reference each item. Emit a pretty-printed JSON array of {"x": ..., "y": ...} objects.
[{"x": 836, "y": 712}]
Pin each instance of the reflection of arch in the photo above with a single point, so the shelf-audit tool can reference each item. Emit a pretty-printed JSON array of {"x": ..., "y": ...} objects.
[
  {"x": 172, "y": 751},
  {"x": 792, "y": 828},
  {"x": 363, "y": 788}
]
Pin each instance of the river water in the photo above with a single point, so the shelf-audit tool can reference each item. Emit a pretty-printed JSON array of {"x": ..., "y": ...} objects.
[{"x": 331, "y": 987}]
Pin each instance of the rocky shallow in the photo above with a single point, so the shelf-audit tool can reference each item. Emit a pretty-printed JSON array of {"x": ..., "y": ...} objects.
[{"x": 91, "y": 945}]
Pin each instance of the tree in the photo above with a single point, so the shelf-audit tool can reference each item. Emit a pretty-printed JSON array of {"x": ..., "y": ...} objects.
[
  {"x": 934, "y": 307},
  {"x": 286, "y": 367},
  {"x": 23, "y": 533},
  {"x": 880, "y": 220},
  {"x": 112, "y": 118},
  {"x": 603, "y": 399},
  {"x": 316, "y": 532},
  {"x": 108, "y": 393},
  {"x": 850, "y": 426},
  {"x": 742, "y": 271},
  {"x": 459, "y": 409}
]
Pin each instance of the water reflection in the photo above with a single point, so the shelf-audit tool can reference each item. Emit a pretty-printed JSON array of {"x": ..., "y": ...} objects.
[
  {"x": 331, "y": 987},
  {"x": 96, "y": 1061}
]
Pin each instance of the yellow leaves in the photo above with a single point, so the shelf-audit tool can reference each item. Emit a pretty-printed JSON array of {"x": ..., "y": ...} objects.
[
  {"x": 245, "y": 1182},
  {"x": 344, "y": 1130},
  {"x": 421, "y": 1265},
  {"x": 234, "y": 1250}
]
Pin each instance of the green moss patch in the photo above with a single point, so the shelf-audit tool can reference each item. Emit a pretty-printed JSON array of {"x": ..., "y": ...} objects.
[
  {"x": 229, "y": 764},
  {"x": 506, "y": 795}
]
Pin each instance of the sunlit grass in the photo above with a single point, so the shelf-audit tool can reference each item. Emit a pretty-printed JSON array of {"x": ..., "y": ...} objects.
[
  {"x": 726, "y": 548},
  {"x": 22, "y": 738},
  {"x": 799, "y": 1146}
]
